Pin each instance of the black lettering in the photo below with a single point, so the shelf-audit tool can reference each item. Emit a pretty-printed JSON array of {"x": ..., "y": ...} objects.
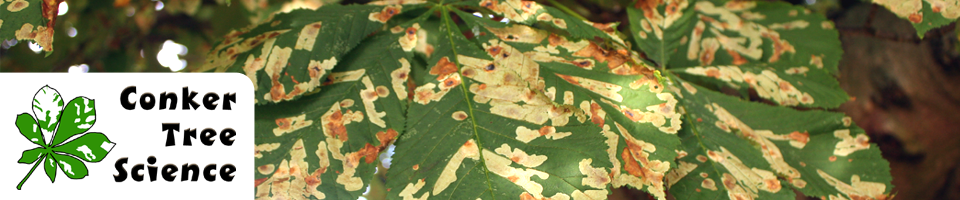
[
  {"x": 226, "y": 136},
  {"x": 135, "y": 172},
  {"x": 226, "y": 172},
  {"x": 188, "y": 99},
  {"x": 168, "y": 97},
  {"x": 227, "y": 98},
  {"x": 210, "y": 101},
  {"x": 147, "y": 104},
  {"x": 170, "y": 128},
  {"x": 187, "y": 134},
  {"x": 125, "y": 98},
  {"x": 206, "y": 172},
  {"x": 152, "y": 169},
  {"x": 206, "y": 137},
  {"x": 169, "y": 172},
  {"x": 122, "y": 173},
  {"x": 186, "y": 172}
]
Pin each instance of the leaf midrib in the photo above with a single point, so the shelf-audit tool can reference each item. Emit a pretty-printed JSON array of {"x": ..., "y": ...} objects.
[{"x": 447, "y": 22}]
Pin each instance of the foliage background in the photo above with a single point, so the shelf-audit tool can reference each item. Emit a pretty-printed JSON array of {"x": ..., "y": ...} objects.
[{"x": 906, "y": 89}]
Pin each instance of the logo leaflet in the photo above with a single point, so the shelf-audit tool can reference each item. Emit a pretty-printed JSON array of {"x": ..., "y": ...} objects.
[{"x": 64, "y": 121}]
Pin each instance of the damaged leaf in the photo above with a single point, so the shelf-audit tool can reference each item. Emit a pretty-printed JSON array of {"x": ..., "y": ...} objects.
[
  {"x": 292, "y": 54},
  {"x": 29, "y": 20},
  {"x": 923, "y": 14},
  {"x": 783, "y": 53},
  {"x": 736, "y": 150},
  {"x": 532, "y": 13},
  {"x": 551, "y": 107},
  {"x": 515, "y": 112},
  {"x": 659, "y": 26},
  {"x": 326, "y": 145}
]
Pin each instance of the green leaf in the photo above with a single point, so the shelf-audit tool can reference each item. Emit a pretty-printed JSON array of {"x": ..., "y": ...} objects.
[
  {"x": 50, "y": 166},
  {"x": 924, "y": 15},
  {"x": 744, "y": 32},
  {"x": 32, "y": 155},
  {"x": 23, "y": 20},
  {"x": 91, "y": 147},
  {"x": 47, "y": 106},
  {"x": 292, "y": 54},
  {"x": 659, "y": 26},
  {"x": 735, "y": 149},
  {"x": 532, "y": 13},
  {"x": 72, "y": 167},
  {"x": 478, "y": 125},
  {"x": 326, "y": 145},
  {"x": 784, "y": 53},
  {"x": 785, "y": 85},
  {"x": 29, "y": 129},
  {"x": 78, "y": 116}
]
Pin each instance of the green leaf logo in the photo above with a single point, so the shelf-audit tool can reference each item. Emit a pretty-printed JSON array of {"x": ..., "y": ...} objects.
[{"x": 64, "y": 121}]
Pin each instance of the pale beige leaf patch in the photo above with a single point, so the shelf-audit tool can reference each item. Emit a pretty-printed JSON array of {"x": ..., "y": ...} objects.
[
  {"x": 657, "y": 115},
  {"x": 42, "y": 35},
  {"x": 384, "y": 15},
  {"x": 743, "y": 182},
  {"x": 500, "y": 165},
  {"x": 409, "y": 40},
  {"x": 683, "y": 168},
  {"x": 596, "y": 177},
  {"x": 369, "y": 95},
  {"x": 526, "y": 135},
  {"x": 856, "y": 189},
  {"x": 398, "y": 79},
  {"x": 261, "y": 148},
  {"x": 515, "y": 10},
  {"x": 291, "y": 180},
  {"x": 771, "y": 153},
  {"x": 767, "y": 84},
  {"x": 290, "y": 124},
  {"x": 518, "y": 156},
  {"x": 449, "y": 174},
  {"x": 849, "y": 144},
  {"x": 17, "y": 5},
  {"x": 459, "y": 115},
  {"x": 641, "y": 171},
  {"x": 407, "y": 192},
  {"x": 751, "y": 38},
  {"x": 308, "y": 35}
]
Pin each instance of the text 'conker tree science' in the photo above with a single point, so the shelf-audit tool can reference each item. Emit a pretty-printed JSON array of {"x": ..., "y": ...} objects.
[{"x": 187, "y": 136}]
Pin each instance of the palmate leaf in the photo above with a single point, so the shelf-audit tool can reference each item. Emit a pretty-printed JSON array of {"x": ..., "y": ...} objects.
[
  {"x": 78, "y": 116},
  {"x": 28, "y": 20},
  {"x": 32, "y": 155},
  {"x": 50, "y": 167},
  {"x": 47, "y": 107},
  {"x": 90, "y": 147},
  {"x": 531, "y": 13},
  {"x": 72, "y": 167},
  {"x": 30, "y": 130},
  {"x": 516, "y": 112},
  {"x": 923, "y": 14},
  {"x": 326, "y": 145},
  {"x": 784, "y": 53},
  {"x": 659, "y": 26},
  {"x": 62, "y": 122},
  {"x": 292, "y": 54},
  {"x": 734, "y": 149}
]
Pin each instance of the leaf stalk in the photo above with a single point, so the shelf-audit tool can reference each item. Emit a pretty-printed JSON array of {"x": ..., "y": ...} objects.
[{"x": 31, "y": 172}]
